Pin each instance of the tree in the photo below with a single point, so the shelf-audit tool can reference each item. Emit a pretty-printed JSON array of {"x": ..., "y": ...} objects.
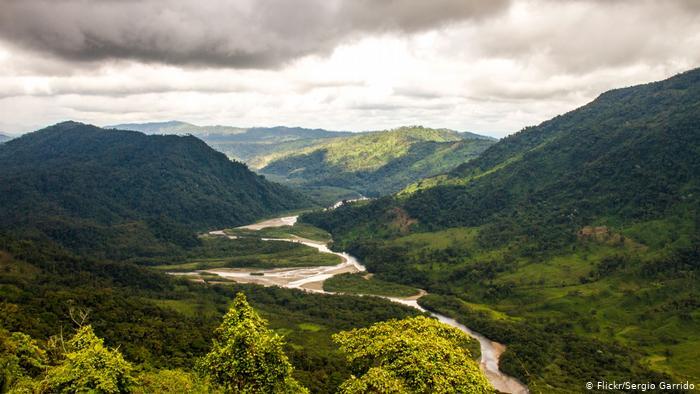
[
  {"x": 21, "y": 359},
  {"x": 89, "y": 366},
  {"x": 415, "y": 355},
  {"x": 172, "y": 382},
  {"x": 246, "y": 356}
]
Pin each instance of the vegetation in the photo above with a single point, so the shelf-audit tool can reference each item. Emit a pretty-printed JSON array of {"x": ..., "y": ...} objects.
[
  {"x": 378, "y": 162},
  {"x": 576, "y": 237},
  {"x": 363, "y": 284},
  {"x": 249, "y": 145},
  {"x": 89, "y": 366},
  {"x": 247, "y": 357},
  {"x": 120, "y": 194},
  {"x": 160, "y": 322},
  {"x": 253, "y": 252},
  {"x": 417, "y": 355},
  {"x": 300, "y": 230}
]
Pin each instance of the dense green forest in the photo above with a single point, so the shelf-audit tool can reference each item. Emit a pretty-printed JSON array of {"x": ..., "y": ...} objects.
[
  {"x": 574, "y": 242},
  {"x": 161, "y": 323},
  {"x": 122, "y": 194},
  {"x": 376, "y": 163}
]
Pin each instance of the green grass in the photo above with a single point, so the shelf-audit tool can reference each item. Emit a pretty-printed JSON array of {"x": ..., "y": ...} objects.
[
  {"x": 362, "y": 284},
  {"x": 259, "y": 254},
  {"x": 301, "y": 230},
  {"x": 310, "y": 327},
  {"x": 657, "y": 321}
]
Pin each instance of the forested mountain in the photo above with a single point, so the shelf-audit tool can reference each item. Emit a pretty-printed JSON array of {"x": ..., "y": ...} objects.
[
  {"x": 376, "y": 163},
  {"x": 584, "y": 227},
  {"x": 4, "y": 138},
  {"x": 123, "y": 193},
  {"x": 334, "y": 165},
  {"x": 245, "y": 144}
]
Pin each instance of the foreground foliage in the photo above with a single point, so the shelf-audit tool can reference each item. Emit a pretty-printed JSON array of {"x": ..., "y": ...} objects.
[
  {"x": 89, "y": 366},
  {"x": 417, "y": 355},
  {"x": 159, "y": 322},
  {"x": 247, "y": 357}
]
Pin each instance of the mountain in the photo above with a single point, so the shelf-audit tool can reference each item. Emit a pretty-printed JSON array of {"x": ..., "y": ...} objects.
[
  {"x": 376, "y": 163},
  {"x": 575, "y": 242},
  {"x": 123, "y": 193},
  {"x": 245, "y": 144},
  {"x": 4, "y": 138}
]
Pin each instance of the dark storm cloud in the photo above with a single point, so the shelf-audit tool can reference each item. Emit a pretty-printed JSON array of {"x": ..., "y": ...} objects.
[{"x": 242, "y": 34}]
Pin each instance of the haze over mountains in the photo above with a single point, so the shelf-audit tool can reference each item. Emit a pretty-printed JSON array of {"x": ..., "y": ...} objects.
[
  {"x": 332, "y": 165},
  {"x": 243, "y": 144},
  {"x": 586, "y": 226}
]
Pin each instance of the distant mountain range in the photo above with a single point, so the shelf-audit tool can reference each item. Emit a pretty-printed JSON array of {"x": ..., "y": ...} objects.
[
  {"x": 576, "y": 242},
  {"x": 4, "y": 137},
  {"x": 243, "y": 144},
  {"x": 124, "y": 193},
  {"x": 331, "y": 165},
  {"x": 375, "y": 163}
]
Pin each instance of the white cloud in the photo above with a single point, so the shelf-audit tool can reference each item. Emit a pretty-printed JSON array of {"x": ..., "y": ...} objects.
[{"x": 511, "y": 67}]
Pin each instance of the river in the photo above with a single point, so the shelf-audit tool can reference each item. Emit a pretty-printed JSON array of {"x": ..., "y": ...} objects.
[{"x": 311, "y": 279}]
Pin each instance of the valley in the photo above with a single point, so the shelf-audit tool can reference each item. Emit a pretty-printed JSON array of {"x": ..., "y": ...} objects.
[
  {"x": 349, "y": 197},
  {"x": 311, "y": 279},
  {"x": 558, "y": 274}
]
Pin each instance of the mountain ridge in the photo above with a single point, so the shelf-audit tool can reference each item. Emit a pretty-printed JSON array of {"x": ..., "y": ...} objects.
[
  {"x": 375, "y": 163},
  {"x": 76, "y": 181},
  {"x": 239, "y": 143},
  {"x": 564, "y": 240}
]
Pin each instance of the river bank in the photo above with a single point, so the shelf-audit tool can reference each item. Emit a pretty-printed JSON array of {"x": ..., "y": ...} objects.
[{"x": 312, "y": 278}]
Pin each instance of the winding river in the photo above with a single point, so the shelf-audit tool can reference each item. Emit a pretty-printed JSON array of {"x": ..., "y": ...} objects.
[{"x": 311, "y": 279}]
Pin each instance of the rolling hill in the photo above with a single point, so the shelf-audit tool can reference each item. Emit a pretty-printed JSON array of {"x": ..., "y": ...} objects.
[
  {"x": 116, "y": 193},
  {"x": 375, "y": 163},
  {"x": 575, "y": 242},
  {"x": 243, "y": 144}
]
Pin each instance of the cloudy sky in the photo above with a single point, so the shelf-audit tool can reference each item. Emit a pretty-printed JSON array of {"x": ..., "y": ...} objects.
[{"x": 490, "y": 66}]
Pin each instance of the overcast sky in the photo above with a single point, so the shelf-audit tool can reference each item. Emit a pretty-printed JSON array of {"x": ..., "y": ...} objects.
[{"x": 489, "y": 66}]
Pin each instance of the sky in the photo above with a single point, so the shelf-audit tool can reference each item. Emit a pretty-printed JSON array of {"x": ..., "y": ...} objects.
[{"x": 487, "y": 66}]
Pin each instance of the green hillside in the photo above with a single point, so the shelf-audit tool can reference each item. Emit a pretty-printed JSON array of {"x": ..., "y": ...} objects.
[
  {"x": 574, "y": 242},
  {"x": 376, "y": 163},
  {"x": 122, "y": 193},
  {"x": 245, "y": 144}
]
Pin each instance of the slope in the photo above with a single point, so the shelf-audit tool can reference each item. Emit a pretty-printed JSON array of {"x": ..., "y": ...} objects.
[
  {"x": 575, "y": 242},
  {"x": 376, "y": 163},
  {"x": 123, "y": 193},
  {"x": 245, "y": 144}
]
